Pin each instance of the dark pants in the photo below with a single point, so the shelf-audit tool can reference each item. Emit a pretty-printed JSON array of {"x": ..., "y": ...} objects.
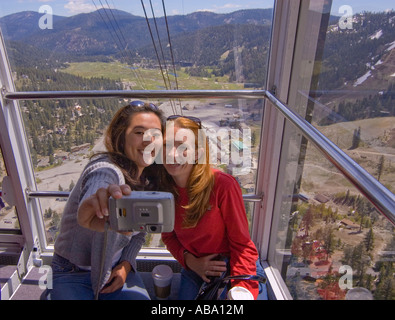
[{"x": 191, "y": 283}]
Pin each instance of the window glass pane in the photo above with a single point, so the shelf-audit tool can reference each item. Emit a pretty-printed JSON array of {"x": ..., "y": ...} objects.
[
  {"x": 351, "y": 96},
  {"x": 358, "y": 77},
  {"x": 328, "y": 241},
  {"x": 8, "y": 215},
  {"x": 58, "y": 47},
  {"x": 329, "y": 238}
]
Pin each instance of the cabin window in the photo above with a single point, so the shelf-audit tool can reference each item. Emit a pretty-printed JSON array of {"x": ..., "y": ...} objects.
[
  {"x": 328, "y": 61},
  {"x": 63, "y": 134},
  {"x": 326, "y": 237}
]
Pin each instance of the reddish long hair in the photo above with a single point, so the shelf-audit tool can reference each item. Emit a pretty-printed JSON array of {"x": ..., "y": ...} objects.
[{"x": 201, "y": 180}]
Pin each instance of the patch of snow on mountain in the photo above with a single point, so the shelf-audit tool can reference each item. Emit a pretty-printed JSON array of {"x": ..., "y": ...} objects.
[{"x": 363, "y": 78}]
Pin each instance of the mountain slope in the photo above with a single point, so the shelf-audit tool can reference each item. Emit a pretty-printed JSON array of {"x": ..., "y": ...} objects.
[
  {"x": 351, "y": 54},
  {"x": 105, "y": 32},
  {"x": 22, "y": 25}
]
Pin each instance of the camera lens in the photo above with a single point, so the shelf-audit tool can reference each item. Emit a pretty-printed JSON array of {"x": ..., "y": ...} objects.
[{"x": 153, "y": 228}]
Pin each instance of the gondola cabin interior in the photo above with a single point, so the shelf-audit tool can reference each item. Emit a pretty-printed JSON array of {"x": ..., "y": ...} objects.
[{"x": 302, "y": 91}]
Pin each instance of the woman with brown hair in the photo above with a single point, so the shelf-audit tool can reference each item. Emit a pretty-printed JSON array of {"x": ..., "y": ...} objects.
[
  {"x": 210, "y": 219},
  {"x": 78, "y": 272}
]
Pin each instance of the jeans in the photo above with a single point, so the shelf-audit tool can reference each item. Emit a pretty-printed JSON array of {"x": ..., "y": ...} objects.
[
  {"x": 191, "y": 283},
  {"x": 71, "y": 283}
]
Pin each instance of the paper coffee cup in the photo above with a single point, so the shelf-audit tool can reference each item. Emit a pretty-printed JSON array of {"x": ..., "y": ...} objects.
[
  {"x": 359, "y": 293},
  {"x": 162, "y": 276},
  {"x": 240, "y": 293}
]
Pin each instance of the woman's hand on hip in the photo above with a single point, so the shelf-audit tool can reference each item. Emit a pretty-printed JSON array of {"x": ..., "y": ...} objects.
[{"x": 205, "y": 266}]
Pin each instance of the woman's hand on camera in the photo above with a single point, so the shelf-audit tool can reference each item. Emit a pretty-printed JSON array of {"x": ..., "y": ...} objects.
[{"x": 93, "y": 211}]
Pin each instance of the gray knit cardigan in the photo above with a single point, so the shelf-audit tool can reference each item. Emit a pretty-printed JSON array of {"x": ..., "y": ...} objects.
[{"x": 84, "y": 247}]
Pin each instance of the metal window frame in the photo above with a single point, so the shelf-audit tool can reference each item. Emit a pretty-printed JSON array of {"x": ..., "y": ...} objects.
[{"x": 17, "y": 160}]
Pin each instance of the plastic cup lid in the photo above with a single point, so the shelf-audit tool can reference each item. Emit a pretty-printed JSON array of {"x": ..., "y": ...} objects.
[
  {"x": 240, "y": 293},
  {"x": 162, "y": 272}
]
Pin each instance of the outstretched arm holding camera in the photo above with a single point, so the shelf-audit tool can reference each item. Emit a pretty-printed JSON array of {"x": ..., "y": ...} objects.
[{"x": 92, "y": 214}]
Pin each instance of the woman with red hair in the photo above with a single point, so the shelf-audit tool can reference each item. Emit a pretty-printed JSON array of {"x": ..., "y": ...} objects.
[{"x": 210, "y": 221}]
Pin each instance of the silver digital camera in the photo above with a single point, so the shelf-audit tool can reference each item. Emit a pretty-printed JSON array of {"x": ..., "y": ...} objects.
[{"x": 150, "y": 211}]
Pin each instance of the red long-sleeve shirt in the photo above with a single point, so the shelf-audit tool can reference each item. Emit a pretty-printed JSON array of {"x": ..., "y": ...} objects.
[{"x": 223, "y": 229}]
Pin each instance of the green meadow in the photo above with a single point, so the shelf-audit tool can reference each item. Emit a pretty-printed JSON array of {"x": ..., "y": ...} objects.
[{"x": 148, "y": 79}]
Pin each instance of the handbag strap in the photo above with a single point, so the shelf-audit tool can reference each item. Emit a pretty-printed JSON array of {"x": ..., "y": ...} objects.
[
  {"x": 246, "y": 277},
  {"x": 216, "y": 285}
]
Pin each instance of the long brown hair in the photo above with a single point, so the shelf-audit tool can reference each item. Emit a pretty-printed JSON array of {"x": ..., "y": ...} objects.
[
  {"x": 114, "y": 141},
  {"x": 201, "y": 180}
]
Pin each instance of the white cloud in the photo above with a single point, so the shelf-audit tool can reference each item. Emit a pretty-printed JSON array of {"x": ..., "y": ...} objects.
[
  {"x": 33, "y": 1},
  {"x": 79, "y": 6},
  {"x": 229, "y": 7},
  {"x": 205, "y": 10}
]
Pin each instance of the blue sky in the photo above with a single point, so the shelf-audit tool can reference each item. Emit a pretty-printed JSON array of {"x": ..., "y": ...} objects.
[{"x": 72, "y": 7}]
